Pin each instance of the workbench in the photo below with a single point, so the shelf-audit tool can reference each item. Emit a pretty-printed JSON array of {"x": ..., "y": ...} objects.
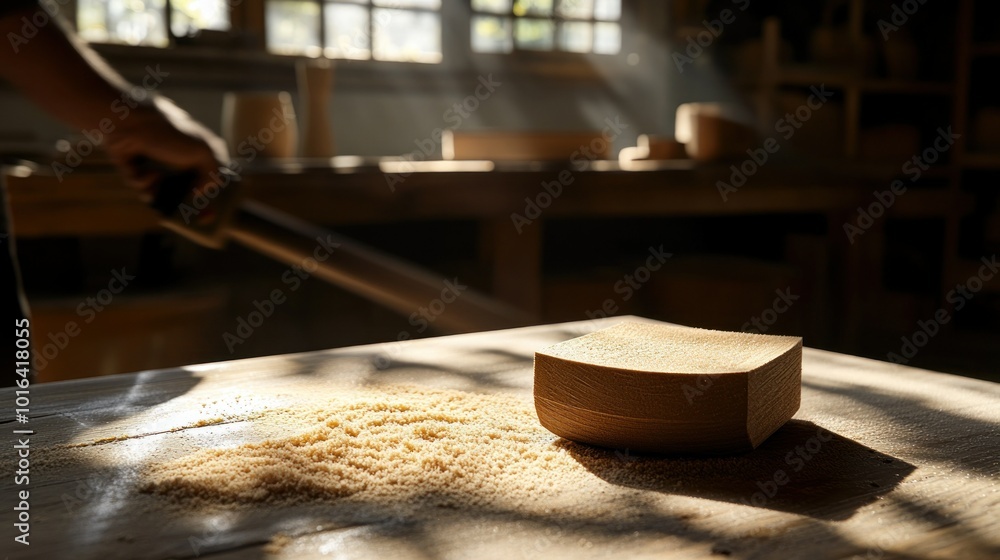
[
  {"x": 349, "y": 190},
  {"x": 881, "y": 461}
]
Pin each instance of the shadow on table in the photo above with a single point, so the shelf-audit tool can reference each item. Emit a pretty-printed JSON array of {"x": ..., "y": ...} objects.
[
  {"x": 802, "y": 469},
  {"x": 68, "y": 487},
  {"x": 931, "y": 431},
  {"x": 101, "y": 400}
]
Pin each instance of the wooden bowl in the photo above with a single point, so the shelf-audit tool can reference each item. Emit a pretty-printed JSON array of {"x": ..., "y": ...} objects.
[{"x": 668, "y": 389}]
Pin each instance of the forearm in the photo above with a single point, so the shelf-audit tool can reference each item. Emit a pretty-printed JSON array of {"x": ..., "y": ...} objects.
[
  {"x": 66, "y": 78},
  {"x": 59, "y": 72}
]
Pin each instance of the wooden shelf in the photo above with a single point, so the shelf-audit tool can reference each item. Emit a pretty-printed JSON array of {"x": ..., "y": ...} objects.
[
  {"x": 913, "y": 87},
  {"x": 991, "y": 48},
  {"x": 812, "y": 76},
  {"x": 927, "y": 203},
  {"x": 805, "y": 76},
  {"x": 981, "y": 161},
  {"x": 964, "y": 270},
  {"x": 943, "y": 198}
]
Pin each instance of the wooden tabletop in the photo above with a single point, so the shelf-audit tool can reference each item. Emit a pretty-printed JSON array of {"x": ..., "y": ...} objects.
[{"x": 881, "y": 461}]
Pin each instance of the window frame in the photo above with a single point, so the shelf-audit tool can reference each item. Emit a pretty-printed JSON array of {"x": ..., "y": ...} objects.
[
  {"x": 370, "y": 6},
  {"x": 255, "y": 66},
  {"x": 558, "y": 21}
]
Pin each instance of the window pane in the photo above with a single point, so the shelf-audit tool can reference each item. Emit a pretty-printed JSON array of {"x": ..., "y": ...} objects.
[
  {"x": 407, "y": 36},
  {"x": 91, "y": 23},
  {"x": 491, "y": 34},
  {"x": 607, "y": 38},
  {"x": 533, "y": 7},
  {"x": 191, "y": 15},
  {"x": 428, "y": 4},
  {"x": 347, "y": 32},
  {"x": 576, "y": 9},
  {"x": 293, "y": 27},
  {"x": 495, "y": 6},
  {"x": 534, "y": 34},
  {"x": 610, "y": 10},
  {"x": 576, "y": 36},
  {"x": 133, "y": 22}
]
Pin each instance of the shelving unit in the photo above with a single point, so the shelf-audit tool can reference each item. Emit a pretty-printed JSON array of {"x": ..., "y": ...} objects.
[
  {"x": 852, "y": 83},
  {"x": 981, "y": 161},
  {"x": 986, "y": 49},
  {"x": 942, "y": 195},
  {"x": 969, "y": 50}
]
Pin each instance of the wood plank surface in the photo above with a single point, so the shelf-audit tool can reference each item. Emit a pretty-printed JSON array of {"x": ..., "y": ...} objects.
[
  {"x": 893, "y": 462},
  {"x": 94, "y": 201}
]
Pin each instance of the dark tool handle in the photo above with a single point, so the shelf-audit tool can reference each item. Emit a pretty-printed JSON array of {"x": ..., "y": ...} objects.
[
  {"x": 370, "y": 273},
  {"x": 171, "y": 192},
  {"x": 203, "y": 218}
]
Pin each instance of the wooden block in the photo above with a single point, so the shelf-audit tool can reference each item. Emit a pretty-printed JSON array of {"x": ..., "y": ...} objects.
[
  {"x": 660, "y": 147},
  {"x": 668, "y": 389},
  {"x": 649, "y": 147},
  {"x": 522, "y": 146},
  {"x": 714, "y": 131}
]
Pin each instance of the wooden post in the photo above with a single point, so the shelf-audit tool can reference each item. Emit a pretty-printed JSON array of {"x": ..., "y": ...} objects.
[{"x": 515, "y": 262}]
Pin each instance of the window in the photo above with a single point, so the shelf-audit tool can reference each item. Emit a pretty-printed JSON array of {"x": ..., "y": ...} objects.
[
  {"x": 144, "y": 22},
  {"x": 380, "y": 30},
  {"x": 578, "y": 26},
  {"x": 393, "y": 30}
]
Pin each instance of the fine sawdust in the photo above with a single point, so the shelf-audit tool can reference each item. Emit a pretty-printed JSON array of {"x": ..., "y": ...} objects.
[{"x": 399, "y": 445}]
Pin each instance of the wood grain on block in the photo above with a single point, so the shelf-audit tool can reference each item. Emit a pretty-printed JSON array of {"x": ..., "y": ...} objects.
[
  {"x": 668, "y": 389},
  {"x": 522, "y": 146},
  {"x": 649, "y": 147}
]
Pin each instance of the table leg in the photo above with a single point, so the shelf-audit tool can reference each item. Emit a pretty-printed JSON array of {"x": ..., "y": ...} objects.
[{"x": 514, "y": 261}]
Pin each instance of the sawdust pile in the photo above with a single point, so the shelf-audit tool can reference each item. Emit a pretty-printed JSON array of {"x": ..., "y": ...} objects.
[{"x": 447, "y": 448}]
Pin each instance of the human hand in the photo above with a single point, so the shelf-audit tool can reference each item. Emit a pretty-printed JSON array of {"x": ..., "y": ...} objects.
[{"x": 158, "y": 138}]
